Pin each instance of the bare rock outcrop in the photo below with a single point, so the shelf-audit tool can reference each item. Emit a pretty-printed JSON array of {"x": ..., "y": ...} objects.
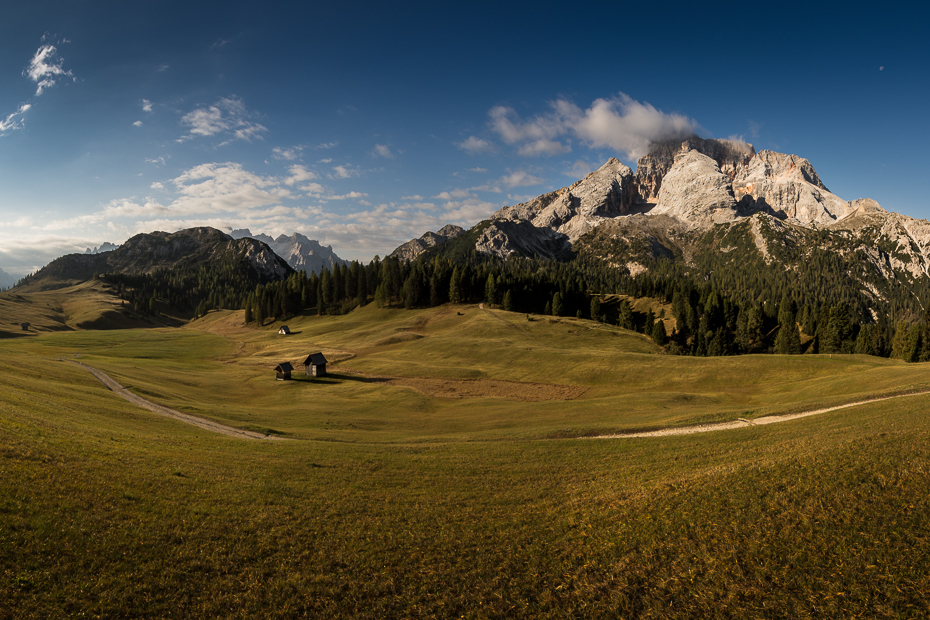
[
  {"x": 788, "y": 186},
  {"x": 503, "y": 238},
  {"x": 696, "y": 192},
  {"x": 731, "y": 157},
  {"x": 413, "y": 248},
  {"x": 574, "y": 210}
]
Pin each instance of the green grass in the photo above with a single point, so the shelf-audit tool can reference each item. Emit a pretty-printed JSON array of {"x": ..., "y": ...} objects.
[{"x": 393, "y": 503}]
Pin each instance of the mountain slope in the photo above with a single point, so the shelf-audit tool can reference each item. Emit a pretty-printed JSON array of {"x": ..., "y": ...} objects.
[{"x": 149, "y": 253}]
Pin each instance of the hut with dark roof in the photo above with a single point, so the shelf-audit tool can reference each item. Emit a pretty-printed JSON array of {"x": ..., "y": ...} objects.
[
  {"x": 25, "y": 326},
  {"x": 285, "y": 330},
  {"x": 315, "y": 365},
  {"x": 283, "y": 371}
]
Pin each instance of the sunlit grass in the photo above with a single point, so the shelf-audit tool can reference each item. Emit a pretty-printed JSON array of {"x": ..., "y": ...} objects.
[{"x": 393, "y": 503}]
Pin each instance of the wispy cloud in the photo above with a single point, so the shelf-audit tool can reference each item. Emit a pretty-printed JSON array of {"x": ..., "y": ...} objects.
[
  {"x": 14, "y": 120},
  {"x": 287, "y": 154},
  {"x": 146, "y": 105},
  {"x": 344, "y": 172},
  {"x": 474, "y": 144},
  {"x": 534, "y": 137},
  {"x": 137, "y": 124},
  {"x": 45, "y": 68},
  {"x": 382, "y": 150},
  {"x": 228, "y": 116}
]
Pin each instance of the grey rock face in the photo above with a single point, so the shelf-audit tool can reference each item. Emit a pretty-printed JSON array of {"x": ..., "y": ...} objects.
[
  {"x": 413, "y": 248},
  {"x": 574, "y": 210},
  {"x": 788, "y": 186},
  {"x": 300, "y": 252},
  {"x": 731, "y": 157},
  {"x": 696, "y": 192},
  {"x": 506, "y": 237}
]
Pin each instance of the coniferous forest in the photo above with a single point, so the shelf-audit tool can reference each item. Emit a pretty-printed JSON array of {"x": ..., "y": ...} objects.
[{"x": 719, "y": 311}]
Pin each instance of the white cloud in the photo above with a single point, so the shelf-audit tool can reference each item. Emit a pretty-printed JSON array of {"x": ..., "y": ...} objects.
[
  {"x": 146, "y": 105},
  {"x": 313, "y": 189},
  {"x": 534, "y": 137},
  {"x": 299, "y": 174},
  {"x": 45, "y": 68},
  {"x": 137, "y": 124},
  {"x": 382, "y": 150},
  {"x": 624, "y": 124},
  {"x": 349, "y": 196},
  {"x": 289, "y": 154},
  {"x": 620, "y": 123},
  {"x": 344, "y": 172},
  {"x": 326, "y": 145},
  {"x": 157, "y": 185},
  {"x": 454, "y": 194},
  {"x": 520, "y": 179},
  {"x": 14, "y": 120},
  {"x": 158, "y": 161},
  {"x": 474, "y": 144},
  {"x": 227, "y": 116}
]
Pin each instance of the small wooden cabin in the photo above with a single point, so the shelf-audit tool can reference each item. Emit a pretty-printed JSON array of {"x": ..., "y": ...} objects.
[
  {"x": 25, "y": 326},
  {"x": 283, "y": 371},
  {"x": 315, "y": 365},
  {"x": 285, "y": 330}
]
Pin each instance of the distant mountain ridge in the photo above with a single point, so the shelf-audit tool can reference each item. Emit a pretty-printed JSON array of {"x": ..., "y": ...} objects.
[
  {"x": 6, "y": 280},
  {"x": 104, "y": 247},
  {"x": 413, "y": 248},
  {"x": 148, "y": 253},
  {"x": 300, "y": 252}
]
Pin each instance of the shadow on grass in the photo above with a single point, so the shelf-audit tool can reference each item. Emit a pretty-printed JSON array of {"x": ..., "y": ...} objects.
[{"x": 335, "y": 378}]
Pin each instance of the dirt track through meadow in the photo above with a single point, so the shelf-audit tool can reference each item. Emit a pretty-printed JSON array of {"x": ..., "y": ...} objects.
[
  {"x": 744, "y": 423},
  {"x": 214, "y": 427}
]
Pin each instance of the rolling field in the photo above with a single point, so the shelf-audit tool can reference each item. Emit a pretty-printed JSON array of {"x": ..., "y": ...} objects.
[{"x": 446, "y": 468}]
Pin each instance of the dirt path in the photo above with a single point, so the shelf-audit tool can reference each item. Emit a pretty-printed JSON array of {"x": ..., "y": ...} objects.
[
  {"x": 743, "y": 422},
  {"x": 215, "y": 427}
]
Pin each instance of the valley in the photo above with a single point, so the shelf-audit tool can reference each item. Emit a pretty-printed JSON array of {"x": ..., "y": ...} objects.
[{"x": 398, "y": 497}]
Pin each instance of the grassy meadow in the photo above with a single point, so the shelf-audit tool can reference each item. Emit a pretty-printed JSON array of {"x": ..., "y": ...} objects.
[{"x": 447, "y": 468}]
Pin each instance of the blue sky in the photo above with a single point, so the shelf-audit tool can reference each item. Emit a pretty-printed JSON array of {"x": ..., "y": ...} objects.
[{"x": 364, "y": 124}]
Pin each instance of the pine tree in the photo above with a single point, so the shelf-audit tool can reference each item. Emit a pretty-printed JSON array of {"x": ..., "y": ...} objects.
[
  {"x": 596, "y": 308},
  {"x": 658, "y": 334}
]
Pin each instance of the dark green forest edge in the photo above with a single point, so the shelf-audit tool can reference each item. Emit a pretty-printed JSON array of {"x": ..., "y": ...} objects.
[{"x": 726, "y": 299}]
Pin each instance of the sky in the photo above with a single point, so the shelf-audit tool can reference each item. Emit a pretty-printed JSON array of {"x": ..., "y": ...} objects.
[{"x": 365, "y": 124}]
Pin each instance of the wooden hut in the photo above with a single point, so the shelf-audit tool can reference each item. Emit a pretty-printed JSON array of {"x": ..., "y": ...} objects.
[
  {"x": 315, "y": 365},
  {"x": 283, "y": 371},
  {"x": 285, "y": 330},
  {"x": 25, "y": 326}
]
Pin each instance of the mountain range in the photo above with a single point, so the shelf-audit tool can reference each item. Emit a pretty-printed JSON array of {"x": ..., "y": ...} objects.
[
  {"x": 300, "y": 252},
  {"x": 711, "y": 207}
]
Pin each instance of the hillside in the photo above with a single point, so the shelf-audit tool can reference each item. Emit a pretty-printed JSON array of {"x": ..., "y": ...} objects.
[
  {"x": 430, "y": 475},
  {"x": 159, "y": 252}
]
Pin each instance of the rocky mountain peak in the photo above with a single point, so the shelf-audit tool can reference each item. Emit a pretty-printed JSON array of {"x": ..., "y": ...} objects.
[
  {"x": 788, "y": 187},
  {"x": 413, "y": 248},
  {"x": 731, "y": 156},
  {"x": 696, "y": 191}
]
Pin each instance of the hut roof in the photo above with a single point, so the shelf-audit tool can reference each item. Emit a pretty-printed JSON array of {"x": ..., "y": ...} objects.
[
  {"x": 284, "y": 330},
  {"x": 284, "y": 367},
  {"x": 315, "y": 359}
]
